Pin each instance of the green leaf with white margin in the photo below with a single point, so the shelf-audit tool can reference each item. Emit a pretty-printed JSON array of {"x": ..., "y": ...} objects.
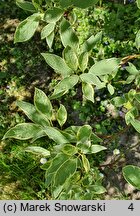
[
  {"x": 67, "y": 35},
  {"x": 132, "y": 69},
  {"x": 110, "y": 88},
  {"x": 84, "y": 147},
  {"x": 70, "y": 58},
  {"x": 50, "y": 39},
  {"x": 92, "y": 79},
  {"x": 131, "y": 95},
  {"x": 137, "y": 80},
  {"x": 83, "y": 61},
  {"x": 138, "y": 3},
  {"x": 38, "y": 4},
  {"x": 104, "y": 67},
  {"x": 84, "y": 133},
  {"x": 129, "y": 117},
  {"x": 86, "y": 163},
  {"x": 26, "y": 5},
  {"x": 27, "y": 28},
  {"x": 56, "y": 192},
  {"x": 61, "y": 115},
  {"x": 69, "y": 149},
  {"x": 47, "y": 30},
  {"x": 38, "y": 135},
  {"x": 130, "y": 79},
  {"x": 57, "y": 94},
  {"x": 38, "y": 150},
  {"x": 91, "y": 42},
  {"x": 57, "y": 63},
  {"x": 88, "y": 92},
  {"x": 56, "y": 162},
  {"x": 96, "y": 148},
  {"x": 33, "y": 114},
  {"x": 55, "y": 135},
  {"x": 118, "y": 101},
  {"x": 46, "y": 165},
  {"x": 136, "y": 124},
  {"x": 137, "y": 97},
  {"x": 96, "y": 189},
  {"x": 132, "y": 175},
  {"x": 137, "y": 40},
  {"x": 73, "y": 129},
  {"x": 53, "y": 15},
  {"x": 23, "y": 131},
  {"x": 83, "y": 138},
  {"x": 63, "y": 86},
  {"x": 69, "y": 135},
  {"x": 42, "y": 103},
  {"x": 65, "y": 171}
]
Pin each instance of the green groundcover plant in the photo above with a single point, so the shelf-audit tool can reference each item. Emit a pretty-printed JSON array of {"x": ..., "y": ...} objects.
[{"x": 68, "y": 171}]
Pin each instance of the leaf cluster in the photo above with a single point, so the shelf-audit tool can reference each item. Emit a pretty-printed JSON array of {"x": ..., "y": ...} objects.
[{"x": 68, "y": 171}]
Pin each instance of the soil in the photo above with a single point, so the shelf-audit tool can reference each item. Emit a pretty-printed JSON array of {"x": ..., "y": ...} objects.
[{"x": 114, "y": 181}]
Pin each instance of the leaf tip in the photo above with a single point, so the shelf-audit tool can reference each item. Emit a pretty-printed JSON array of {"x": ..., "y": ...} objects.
[{"x": 3, "y": 137}]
